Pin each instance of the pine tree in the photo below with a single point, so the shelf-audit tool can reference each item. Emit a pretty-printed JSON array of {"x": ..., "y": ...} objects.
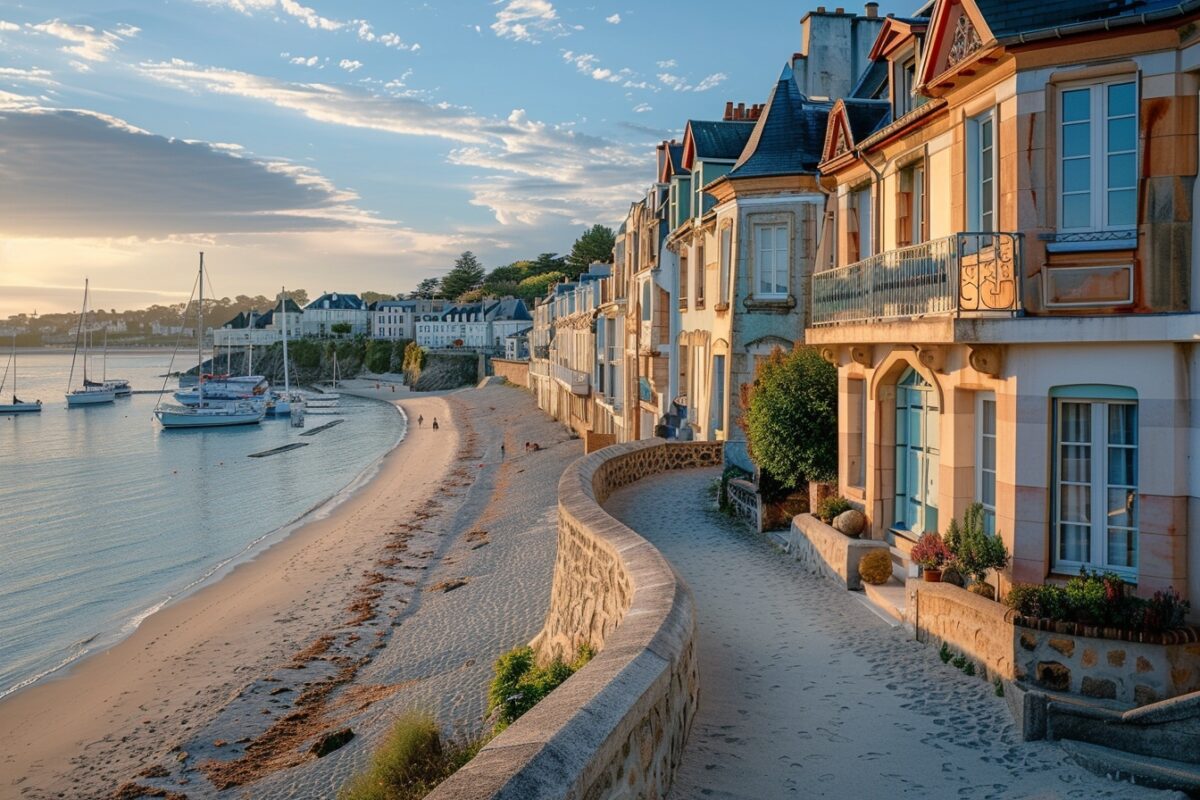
[
  {"x": 596, "y": 244},
  {"x": 467, "y": 275}
]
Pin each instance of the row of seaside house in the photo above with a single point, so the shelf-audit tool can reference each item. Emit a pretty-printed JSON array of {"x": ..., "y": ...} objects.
[
  {"x": 983, "y": 215},
  {"x": 496, "y": 326}
]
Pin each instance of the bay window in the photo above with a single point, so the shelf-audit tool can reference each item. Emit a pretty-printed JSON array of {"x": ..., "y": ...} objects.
[{"x": 1097, "y": 156}]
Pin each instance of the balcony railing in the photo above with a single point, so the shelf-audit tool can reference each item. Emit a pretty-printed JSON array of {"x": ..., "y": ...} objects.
[
  {"x": 613, "y": 353},
  {"x": 962, "y": 273},
  {"x": 577, "y": 382},
  {"x": 538, "y": 366}
]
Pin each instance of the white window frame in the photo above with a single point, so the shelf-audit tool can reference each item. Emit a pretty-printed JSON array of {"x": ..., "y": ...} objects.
[
  {"x": 1098, "y": 510},
  {"x": 975, "y": 155},
  {"x": 777, "y": 269},
  {"x": 725, "y": 257},
  {"x": 1098, "y": 151},
  {"x": 983, "y": 471}
]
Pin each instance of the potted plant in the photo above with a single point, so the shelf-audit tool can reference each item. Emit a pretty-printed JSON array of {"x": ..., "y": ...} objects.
[
  {"x": 930, "y": 554},
  {"x": 975, "y": 551}
]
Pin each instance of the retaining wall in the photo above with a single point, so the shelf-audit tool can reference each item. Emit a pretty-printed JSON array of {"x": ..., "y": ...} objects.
[
  {"x": 618, "y": 726},
  {"x": 516, "y": 372},
  {"x": 824, "y": 550}
]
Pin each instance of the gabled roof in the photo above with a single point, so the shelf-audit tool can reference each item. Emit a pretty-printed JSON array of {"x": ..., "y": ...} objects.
[
  {"x": 851, "y": 121},
  {"x": 292, "y": 307},
  {"x": 508, "y": 308},
  {"x": 788, "y": 135},
  {"x": 873, "y": 82},
  {"x": 673, "y": 163},
  {"x": 240, "y": 321},
  {"x": 1010, "y": 18},
  {"x": 704, "y": 139},
  {"x": 335, "y": 300}
]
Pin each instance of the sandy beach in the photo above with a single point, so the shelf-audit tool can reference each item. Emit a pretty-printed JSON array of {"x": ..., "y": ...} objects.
[
  {"x": 401, "y": 598},
  {"x": 119, "y": 711}
]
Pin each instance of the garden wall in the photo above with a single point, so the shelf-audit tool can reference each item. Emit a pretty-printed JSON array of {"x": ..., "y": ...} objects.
[
  {"x": 617, "y": 727},
  {"x": 828, "y": 552},
  {"x": 515, "y": 372},
  {"x": 966, "y": 622}
]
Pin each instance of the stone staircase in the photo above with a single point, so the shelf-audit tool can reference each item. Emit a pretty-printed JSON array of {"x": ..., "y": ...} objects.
[{"x": 891, "y": 597}]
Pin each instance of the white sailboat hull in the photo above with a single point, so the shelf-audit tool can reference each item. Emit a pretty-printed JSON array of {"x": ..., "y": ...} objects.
[
  {"x": 210, "y": 416},
  {"x": 90, "y": 397},
  {"x": 121, "y": 388},
  {"x": 20, "y": 408}
]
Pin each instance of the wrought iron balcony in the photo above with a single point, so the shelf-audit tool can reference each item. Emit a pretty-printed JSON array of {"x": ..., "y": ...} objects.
[
  {"x": 962, "y": 273},
  {"x": 579, "y": 383}
]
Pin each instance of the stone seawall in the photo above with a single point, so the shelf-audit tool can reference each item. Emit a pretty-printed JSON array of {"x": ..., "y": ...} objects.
[
  {"x": 515, "y": 372},
  {"x": 618, "y": 726}
]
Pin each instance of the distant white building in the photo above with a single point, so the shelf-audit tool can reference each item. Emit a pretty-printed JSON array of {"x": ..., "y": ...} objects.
[
  {"x": 257, "y": 328},
  {"x": 477, "y": 326},
  {"x": 333, "y": 308},
  {"x": 397, "y": 319},
  {"x": 516, "y": 345}
]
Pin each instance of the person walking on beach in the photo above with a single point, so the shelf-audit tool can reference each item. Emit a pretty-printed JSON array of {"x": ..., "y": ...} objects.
[
  {"x": 420, "y": 420},
  {"x": 435, "y": 425},
  {"x": 502, "y": 451}
]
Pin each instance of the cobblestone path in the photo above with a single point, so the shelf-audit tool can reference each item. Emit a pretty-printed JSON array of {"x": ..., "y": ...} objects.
[{"x": 805, "y": 692}]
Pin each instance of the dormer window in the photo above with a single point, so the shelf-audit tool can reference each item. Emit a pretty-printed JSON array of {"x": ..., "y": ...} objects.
[{"x": 904, "y": 78}]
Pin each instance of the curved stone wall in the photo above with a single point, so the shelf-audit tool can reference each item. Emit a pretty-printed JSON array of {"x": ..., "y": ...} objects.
[{"x": 617, "y": 727}]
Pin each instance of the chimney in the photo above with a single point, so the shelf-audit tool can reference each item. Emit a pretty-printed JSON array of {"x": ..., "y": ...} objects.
[
  {"x": 741, "y": 111},
  {"x": 872, "y": 10},
  {"x": 820, "y": 9},
  {"x": 728, "y": 110},
  {"x": 839, "y": 10}
]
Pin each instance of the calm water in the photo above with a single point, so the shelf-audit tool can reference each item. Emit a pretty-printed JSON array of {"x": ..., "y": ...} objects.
[{"x": 104, "y": 516}]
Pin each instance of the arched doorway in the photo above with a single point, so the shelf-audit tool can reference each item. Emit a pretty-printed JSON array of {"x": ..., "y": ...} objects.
[{"x": 918, "y": 454}]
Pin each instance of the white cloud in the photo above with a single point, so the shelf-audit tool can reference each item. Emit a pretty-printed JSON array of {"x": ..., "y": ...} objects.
[
  {"x": 526, "y": 20},
  {"x": 615, "y": 19},
  {"x": 9, "y": 26},
  {"x": 348, "y": 65},
  {"x": 310, "y": 17},
  {"x": 680, "y": 84},
  {"x": 642, "y": 108},
  {"x": 85, "y": 41},
  {"x": 668, "y": 64},
  {"x": 311, "y": 61},
  {"x": 41, "y": 77},
  {"x": 587, "y": 64},
  {"x": 314, "y": 20},
  {"x": 532, "y": 170}
]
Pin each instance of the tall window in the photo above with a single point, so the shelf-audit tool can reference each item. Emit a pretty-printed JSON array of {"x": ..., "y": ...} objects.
[
  {"x": 1097, "y": 174},
  {"x": 906, "y": 79},
  {"x": 985, "y": 457},
  {"x": 857, "y": 442},
  {"x": 683, "y": 279},
  {"x": 771, "y": 244},
  {"x": 910, "y": 206},
  {"x": 858, "y": 225},
  {"x": 981, "y": 173},
  {"x": 717, "y": 413},
  {"x": 726, "y": 257},
  {"x": 700, "y": 275},
  {"x": 646, "y": 301},
  {"x": 1095, "y": 484}
]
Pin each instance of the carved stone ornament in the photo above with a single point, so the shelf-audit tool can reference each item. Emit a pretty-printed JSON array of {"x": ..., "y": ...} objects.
[
  {"x": 985, "y": 359},
  {"x": 862, "y": 354},
  {"x": 965, "y": 42},
  {"x": 933, "y": 358},
  {"x": 831, "y": 355}
]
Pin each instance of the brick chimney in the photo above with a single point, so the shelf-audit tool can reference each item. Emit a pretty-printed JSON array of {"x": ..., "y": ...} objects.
[
  {"x": 872, "y": 10},
  {"x": 728, "y": 110}
]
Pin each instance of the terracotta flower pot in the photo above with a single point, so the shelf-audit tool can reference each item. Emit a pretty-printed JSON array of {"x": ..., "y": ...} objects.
[{"x": 932, "y": 575}]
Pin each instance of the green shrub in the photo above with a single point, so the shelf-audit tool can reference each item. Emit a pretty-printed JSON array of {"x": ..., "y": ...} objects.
[
  {"x": 1101, "y": 599},
  {"x": 944, "y": 653},
  {"x": 830, "y": 507},
  {"x": 969, "y": 669},
  {"x": 999, "y": 686},
  {"x": 875, "y": 566},
  {"x": 519, "y": 683},
  {"x": 791, "y": 417},
  {"x": 1037, "y": 600},
  {"x": 410, "y": 763},
  {"x": 975, "y": 551},
  {"x": 378, "y": 356},
  {"x": 960, "y": 661}
]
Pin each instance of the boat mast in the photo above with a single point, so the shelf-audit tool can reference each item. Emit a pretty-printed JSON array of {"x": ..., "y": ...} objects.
[
  {"x": 200, "y": 335},
  {"x": 78, "y": 333},
  {"x": 104, "y": 363},
  {"x": 14, "y": 367},
  {"x": 283, "y": 307}
]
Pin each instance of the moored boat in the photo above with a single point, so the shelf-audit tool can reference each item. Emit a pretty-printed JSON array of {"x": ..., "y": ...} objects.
[
  {"x": 17, "y": 406},
  {"x": 91, "y": 393}
]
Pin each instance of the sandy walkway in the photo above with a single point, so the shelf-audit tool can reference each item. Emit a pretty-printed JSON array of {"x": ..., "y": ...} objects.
[
  {"x": 137, "y": 704},
  {"x": 806, "y": 693}
]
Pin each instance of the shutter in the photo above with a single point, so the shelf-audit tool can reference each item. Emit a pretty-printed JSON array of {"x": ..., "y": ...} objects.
[
  {"x": 852, "y": 240},
  {"x": 904, "y": 219}
]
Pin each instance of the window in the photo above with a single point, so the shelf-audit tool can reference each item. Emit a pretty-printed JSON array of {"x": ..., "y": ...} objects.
[
  {"x": 771, "y": 243},
  {"x": 906, "y": 79},
  {"x": 858, "y": 225},
  {"x": 646, "y": 301},
  {"x": 985, "y": 458},
  {"x": 726, "y": 256},
  {"x": 856, "y": 461},
  {"x": 717, "y": 412},
  {"x": 981, "y": 173},
  {"x": 683, "y": 280},
  {"x": 910, "y": 206},
  {"x": 1095, "y": 483},
  {"x": 700, "y": 276},
  {"x": 1097, "y": 175}
]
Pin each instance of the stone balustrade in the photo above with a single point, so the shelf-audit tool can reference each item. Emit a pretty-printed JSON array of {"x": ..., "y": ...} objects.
[{"x": 618, "y": 726}]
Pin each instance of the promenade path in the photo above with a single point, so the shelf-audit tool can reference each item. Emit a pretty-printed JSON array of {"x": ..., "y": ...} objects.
[{"x": 806, "y": 692}]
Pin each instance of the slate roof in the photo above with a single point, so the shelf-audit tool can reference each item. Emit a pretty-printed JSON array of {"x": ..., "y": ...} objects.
[
  {"x": 509, "y": 308},
  {"x": 872, "y": 83},
  {"x": 240, "y": 321},
  {"x": 719, "y": 138},
  {"x": 381, "y": 304},
  {"x": 788, "y": 136},
  {"x": 1010, "y": 18},
  {"x": 866, "y": 116},
  {"x": 675, "y": 151},
  {"x": 335, "y": 300}
]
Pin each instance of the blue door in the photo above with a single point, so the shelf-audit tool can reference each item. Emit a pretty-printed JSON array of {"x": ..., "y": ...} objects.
[{"x": 918, "y": 455}]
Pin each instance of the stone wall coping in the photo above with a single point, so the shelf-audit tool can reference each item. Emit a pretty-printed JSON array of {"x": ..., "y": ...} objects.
[
  {"x": 557, "y": 749},
  {"x": 957, "y": 594},
  {"x": 847, "y": 551}
]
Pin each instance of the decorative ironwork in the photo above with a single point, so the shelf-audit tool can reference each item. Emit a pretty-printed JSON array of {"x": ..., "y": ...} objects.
[
  {"x": 963, "y": 273},
  {"x": 1090, "y": 236},
  {"x": 965, "y": 43}
]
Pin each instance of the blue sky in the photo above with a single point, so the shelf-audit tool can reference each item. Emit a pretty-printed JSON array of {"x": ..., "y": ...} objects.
[{"x": 340, "y": 146}]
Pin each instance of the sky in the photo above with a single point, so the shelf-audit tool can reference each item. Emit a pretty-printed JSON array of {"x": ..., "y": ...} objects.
[{"x": 340, "y": 146}]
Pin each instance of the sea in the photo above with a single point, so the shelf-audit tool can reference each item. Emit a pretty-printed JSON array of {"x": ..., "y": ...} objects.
[{"x": 105, "y": 517}]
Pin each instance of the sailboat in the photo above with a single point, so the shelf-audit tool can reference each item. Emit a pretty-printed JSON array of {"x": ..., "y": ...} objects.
[
  {"x": 208, "y": 414},
  {"x": 17, "y": 405},
  {"x": 92, "y": 393},
  {"x": 282, "y": 406},
  {"x": 120, "y": 386}
]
